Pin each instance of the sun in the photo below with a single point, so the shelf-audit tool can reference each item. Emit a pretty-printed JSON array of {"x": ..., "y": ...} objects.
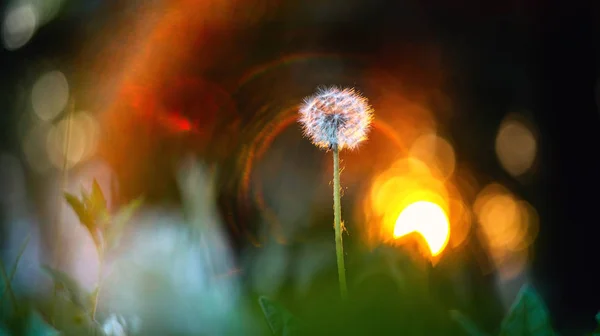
[{"x": 429, "y": 220}]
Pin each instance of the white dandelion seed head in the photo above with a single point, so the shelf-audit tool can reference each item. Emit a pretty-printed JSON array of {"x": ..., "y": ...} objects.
[{"x": 336, "y": 117}]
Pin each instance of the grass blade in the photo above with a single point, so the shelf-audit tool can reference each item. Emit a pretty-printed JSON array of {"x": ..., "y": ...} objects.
[
  {"x": 8, "y": 286},
  {"x": 13, "y": 271}
]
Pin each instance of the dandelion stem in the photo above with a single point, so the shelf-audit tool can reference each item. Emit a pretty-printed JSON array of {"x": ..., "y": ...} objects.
[{"x": 337, "y": 210}]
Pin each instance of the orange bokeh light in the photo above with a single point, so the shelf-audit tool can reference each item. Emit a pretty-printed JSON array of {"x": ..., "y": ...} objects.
[
  {"x": 411, "y": 197},
  {"x": 507, "y": 226},
  {"x": 516, "y": 145},
  {"x": 429, "y": 220}
]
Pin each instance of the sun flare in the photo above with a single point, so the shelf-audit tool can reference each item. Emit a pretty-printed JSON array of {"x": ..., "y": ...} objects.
[{"x": 429, "y": 220}]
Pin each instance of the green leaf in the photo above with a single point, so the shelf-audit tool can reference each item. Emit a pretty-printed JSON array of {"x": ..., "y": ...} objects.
[
  {"x": 97, "y": 200},
  {"x": 76, "y": 294},
  {"x": 120, "y": 220},
  {"x": 88, "y": 213},
  {"x": 468, "y": 326},
  {"x": 80, "y": 209},
  {"x": 279, "y": 319},
  {"x": 527, "y": 316}
]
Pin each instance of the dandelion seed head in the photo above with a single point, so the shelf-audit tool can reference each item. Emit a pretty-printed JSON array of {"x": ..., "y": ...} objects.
[{"x": 336, "y": 117}]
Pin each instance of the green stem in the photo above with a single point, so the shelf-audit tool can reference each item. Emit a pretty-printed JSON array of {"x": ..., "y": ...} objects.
[
  {"x": 99, "y": 286},
  {"x": 59, "y": 214},
  {"x": 337, "y": 210}
]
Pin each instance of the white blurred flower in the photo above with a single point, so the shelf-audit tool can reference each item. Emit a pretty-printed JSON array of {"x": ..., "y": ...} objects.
[
  {"x": 173, "y": 270},
  {"x": 116, "y": 325},
  {"x": 166, "y": 277}
]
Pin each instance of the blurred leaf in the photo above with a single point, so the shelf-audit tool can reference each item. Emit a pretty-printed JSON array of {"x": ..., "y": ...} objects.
[
  {"x": 120, "y": 220},
  {"x": 280, "y": 320},
  {"x": 80, "y": 209},
  {"x": 70, "y": 319},
  {"x": 90, "y": 211},
  {"x": 76, "y": 294},
  {"x": 7, "y": 287},
  {"x": 96, "y": 207},
  {"x": 13, "y": 270},
  {"x": 37, "y": 326},
  {"x": 8, "y": 280},
  {"x": 28, "y": 322},
  {"x": 597, "y": 331},
  {"x": 527, "y": 316},
  {"x": 466, "y": 324},
  {"x": 407, "y": 271},
  {"x": 97, "y": 199}
]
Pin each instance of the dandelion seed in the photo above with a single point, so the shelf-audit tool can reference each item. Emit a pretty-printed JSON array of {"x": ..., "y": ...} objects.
[{"x": 335, "y": 117}]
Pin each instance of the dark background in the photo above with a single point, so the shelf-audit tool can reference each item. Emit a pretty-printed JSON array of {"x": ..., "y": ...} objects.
[{"x": 538, "y": 55}]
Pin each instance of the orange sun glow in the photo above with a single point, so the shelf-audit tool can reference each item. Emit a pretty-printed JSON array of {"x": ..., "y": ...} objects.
[
  {"x": 429, "y": 220},
  {"x": 412, "y": 200}
]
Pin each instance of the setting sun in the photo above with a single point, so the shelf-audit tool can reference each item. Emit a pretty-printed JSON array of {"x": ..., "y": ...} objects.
[{"x": 429, "y": 220}]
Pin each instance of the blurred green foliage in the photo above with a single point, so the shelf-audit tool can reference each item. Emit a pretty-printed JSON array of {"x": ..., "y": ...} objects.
[
  {"x": 91, "y": 209},
  {"x": 597, "y": 331},
  {"x": 390, "y": 297},
  {"x": 528, "y": 316},
  {"x": 468, "y": 326},
  {"x": 75, "y": 306},
  {"x": 280, "y": 320},
  {"x": 414, "y": 315},
  {"x": 26, "y": 322}
]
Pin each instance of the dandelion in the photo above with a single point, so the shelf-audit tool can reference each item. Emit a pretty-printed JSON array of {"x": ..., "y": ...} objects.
[{"x": 335, "y": 119}]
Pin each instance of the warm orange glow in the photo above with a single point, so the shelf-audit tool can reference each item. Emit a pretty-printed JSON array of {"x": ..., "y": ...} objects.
[
  {"x": 507, "y": 226},
  {"x": 516, "y": 146},
  {"x": 436, "y": 152},
  {"x": 411, "y": 200},
  {"x": 429, "y": 220}
]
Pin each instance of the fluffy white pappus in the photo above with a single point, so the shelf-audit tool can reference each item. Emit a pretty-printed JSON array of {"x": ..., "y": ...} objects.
[{"x": 336, "y": 117}]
